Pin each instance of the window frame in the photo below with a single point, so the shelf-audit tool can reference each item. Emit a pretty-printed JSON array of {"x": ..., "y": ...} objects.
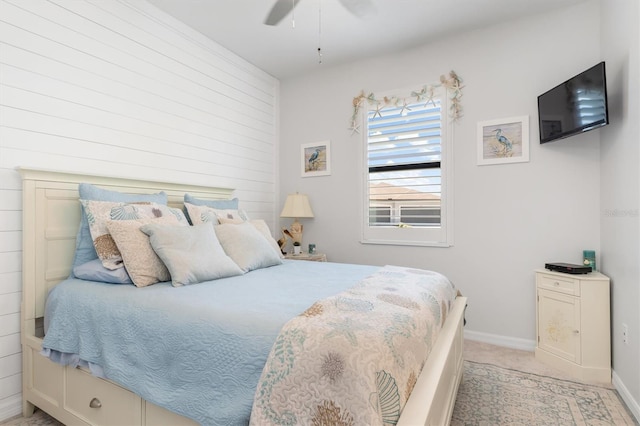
[{"x": 441, "y": 236}]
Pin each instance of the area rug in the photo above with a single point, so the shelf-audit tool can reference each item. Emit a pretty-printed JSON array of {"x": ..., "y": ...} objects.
[{"x": 491, "y": 395}]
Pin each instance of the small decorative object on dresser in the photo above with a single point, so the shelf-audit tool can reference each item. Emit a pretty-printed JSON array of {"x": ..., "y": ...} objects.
[
  {"x": 589, "y": 257},
  {"x": 572, "y": 324},
  {"x": 314, "y": 257}
]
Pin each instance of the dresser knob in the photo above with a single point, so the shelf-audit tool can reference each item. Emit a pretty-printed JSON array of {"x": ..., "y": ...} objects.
[
  {"x": 576, "y": 331},
  {"x": 95, "y": 403},
  {"x": 556, "y": 283}
]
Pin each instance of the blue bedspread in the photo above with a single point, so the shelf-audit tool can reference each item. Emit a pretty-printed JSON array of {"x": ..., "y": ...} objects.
[{"x": 197, "y": 350}]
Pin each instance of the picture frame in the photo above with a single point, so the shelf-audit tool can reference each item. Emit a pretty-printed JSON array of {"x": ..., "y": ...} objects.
[
  {"x": 315, "y": 159},
  {"x": 503, "y": 141}
]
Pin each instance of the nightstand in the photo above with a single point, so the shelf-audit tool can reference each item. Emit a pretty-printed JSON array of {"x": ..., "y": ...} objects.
[
  {"x": 315, "y": 257},
  {"x": 572, "y": 313}
]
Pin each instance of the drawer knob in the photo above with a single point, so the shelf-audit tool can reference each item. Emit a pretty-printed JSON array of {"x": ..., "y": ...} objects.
[
  {"x": 556, "y": 283},
  {"x": 576, "y": 331},
  {"x": 95, "y": 403}
]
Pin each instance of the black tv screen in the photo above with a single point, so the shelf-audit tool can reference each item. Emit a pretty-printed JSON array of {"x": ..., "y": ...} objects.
[{"x": 575, "y": 106}]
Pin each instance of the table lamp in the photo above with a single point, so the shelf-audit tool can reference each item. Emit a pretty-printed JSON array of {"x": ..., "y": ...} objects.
[{"x": 296, "y": 206}]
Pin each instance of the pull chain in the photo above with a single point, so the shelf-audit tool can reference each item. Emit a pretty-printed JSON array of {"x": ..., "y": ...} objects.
[
  {"x": 320, "y": 31},
  {"x": 293, "y": 14}
]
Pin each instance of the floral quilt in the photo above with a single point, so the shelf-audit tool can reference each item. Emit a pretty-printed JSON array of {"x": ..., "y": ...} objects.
[{"x": 354, "y": 358}]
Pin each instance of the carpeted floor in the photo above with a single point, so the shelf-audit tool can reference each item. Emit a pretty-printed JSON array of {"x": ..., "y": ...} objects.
[
  {"x": 39, "y": 418},
  {"x": 504, "y": 386}
]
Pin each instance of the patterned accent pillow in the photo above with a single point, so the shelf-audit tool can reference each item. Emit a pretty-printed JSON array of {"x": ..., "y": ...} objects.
[
  {"x": 204, "y": 214},
  {"x": 146, "y": 211},
  {"x": 85, "y": 250},
  {"x": 142, "y": 263},
  {"x": 216, "y": 204},
  {"x": 99, "y": 212}
]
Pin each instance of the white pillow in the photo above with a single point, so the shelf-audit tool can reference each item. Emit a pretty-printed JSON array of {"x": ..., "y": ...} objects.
[
  {"x": 246, "y": 246},
  {"x": 262, "y": 226},
  {"x": 192, "y": 254}
]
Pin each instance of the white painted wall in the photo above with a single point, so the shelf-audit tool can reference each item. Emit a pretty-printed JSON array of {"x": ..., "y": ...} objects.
[
  {"x": 508, "y": 219},
  {"x": 120, "y": 88},
  {"x": 620, "y": 189}
]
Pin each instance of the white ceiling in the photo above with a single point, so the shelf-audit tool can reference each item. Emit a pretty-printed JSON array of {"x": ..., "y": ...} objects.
[{"x": 394, "y": 25}]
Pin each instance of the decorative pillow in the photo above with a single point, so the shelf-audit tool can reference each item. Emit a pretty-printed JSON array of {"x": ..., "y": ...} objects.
[
  {"x": 262, "y": 226},
  {"x": 99, "y": 212},
  {"x": 246, "y": 246},
  {"x": 216, "y": 204},
  {"x": 204, "y": 214},
  {"x": 142, "y": 263},
  {"x": 94, "y": 271},
  {"x": 146, "y": 211},
  {"x": 192, "y": 254},
  {"x": 85, "y": 250}
]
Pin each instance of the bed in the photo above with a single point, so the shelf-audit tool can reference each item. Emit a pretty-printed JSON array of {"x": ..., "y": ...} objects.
[{"x": 75, "y": 395}]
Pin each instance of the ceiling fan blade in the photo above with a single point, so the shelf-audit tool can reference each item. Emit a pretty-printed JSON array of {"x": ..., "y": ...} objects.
[
  {"x": 359, "y": 8},
  {"x": 279, "y": 10}
]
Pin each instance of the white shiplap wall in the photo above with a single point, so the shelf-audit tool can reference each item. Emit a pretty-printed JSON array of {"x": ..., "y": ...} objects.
[{"x": 119, "y": 88}]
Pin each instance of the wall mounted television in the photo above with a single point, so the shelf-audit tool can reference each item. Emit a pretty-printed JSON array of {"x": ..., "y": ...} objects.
[{"x": 575, "y": 106}]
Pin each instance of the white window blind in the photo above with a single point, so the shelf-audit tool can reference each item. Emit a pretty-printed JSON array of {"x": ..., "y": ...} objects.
[{"x": 404, "y": 187}]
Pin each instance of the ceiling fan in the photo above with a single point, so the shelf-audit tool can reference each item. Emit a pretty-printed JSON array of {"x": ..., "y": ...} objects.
[{"x": 282, "y": 8}]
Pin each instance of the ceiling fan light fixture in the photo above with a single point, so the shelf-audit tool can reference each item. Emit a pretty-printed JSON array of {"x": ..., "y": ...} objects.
[{"x": 280, "y": 9}]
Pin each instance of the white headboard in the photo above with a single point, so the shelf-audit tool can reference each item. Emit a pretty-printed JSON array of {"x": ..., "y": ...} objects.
[{"x": 50, "y": 220}]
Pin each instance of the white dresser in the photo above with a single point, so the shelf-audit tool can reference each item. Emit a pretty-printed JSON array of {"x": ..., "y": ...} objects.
[{"x": 573, "y": 324}]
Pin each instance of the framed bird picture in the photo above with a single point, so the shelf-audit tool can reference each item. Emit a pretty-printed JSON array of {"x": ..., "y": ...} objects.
[
  {"x": 503, "y": 141},
  {"x": 316, "y": 159}
]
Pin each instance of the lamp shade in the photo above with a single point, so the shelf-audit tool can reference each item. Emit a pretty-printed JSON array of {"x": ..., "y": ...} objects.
[{"x": 296, "y": 205}]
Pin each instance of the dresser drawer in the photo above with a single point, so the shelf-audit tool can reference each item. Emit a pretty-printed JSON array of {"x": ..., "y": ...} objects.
[
  {"x": 100, "y": 402},
  {"x": 157, "y": 416},
  {"x": 560, "y": 284}
]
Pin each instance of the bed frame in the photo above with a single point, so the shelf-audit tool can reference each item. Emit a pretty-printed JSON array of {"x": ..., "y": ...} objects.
[{"x": 51, "y": 214}]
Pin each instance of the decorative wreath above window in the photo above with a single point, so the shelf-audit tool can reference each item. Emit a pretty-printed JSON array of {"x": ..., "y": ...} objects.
[{"x": 453, "y": 84}]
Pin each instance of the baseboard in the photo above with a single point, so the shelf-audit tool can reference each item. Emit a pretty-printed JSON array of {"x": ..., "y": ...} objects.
[
  {"x": 10, "y": 407},
  {"x": 626, "y": 396},
  {"x": 504, "y": 341}
]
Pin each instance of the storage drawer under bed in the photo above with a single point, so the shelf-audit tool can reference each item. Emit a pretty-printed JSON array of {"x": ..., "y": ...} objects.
[{"x": 100, "y": 402}]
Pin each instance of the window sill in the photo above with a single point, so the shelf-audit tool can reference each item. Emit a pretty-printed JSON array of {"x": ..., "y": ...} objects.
[{"x": 408, "y": 243}]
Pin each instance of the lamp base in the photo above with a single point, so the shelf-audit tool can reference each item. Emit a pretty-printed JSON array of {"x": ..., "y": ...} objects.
[{"x": 296, "y": 231}]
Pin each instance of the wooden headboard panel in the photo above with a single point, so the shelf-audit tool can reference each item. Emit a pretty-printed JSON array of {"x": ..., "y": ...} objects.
[{"x": 50, "y": 220}]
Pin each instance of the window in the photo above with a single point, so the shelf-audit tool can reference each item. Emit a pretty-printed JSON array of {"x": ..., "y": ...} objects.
[{"x": 406, "y": 189}]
